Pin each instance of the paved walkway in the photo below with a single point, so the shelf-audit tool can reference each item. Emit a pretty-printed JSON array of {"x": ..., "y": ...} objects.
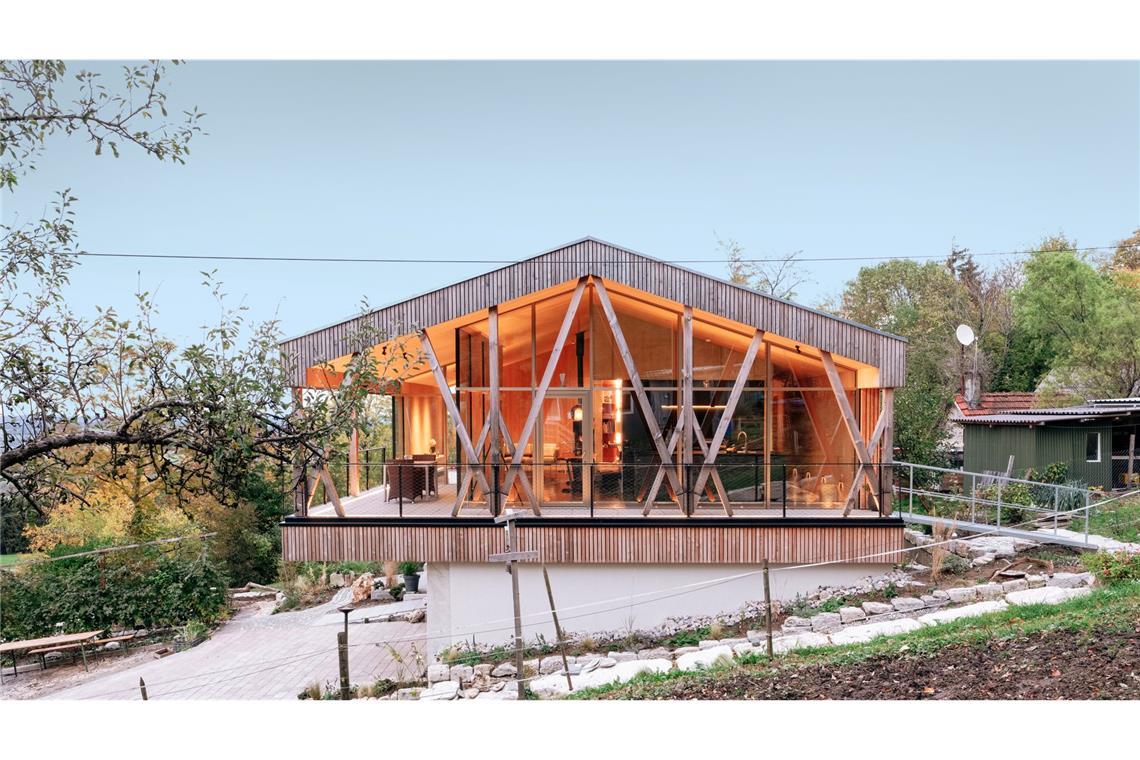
[{"x": 262, "y": 656}]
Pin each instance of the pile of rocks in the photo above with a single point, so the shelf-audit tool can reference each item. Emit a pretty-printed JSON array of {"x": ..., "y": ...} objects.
[{"x": 980, "y": 550}]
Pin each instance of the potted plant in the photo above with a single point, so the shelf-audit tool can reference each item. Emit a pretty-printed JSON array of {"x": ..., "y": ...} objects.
[{"x": 410, "y": 575}]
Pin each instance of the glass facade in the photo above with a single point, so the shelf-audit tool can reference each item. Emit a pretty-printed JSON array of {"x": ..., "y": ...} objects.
[{"x": 785, "y": 440}]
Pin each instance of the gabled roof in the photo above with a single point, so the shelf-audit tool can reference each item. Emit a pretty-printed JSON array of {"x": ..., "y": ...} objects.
[{"x": 590, "y": 256}]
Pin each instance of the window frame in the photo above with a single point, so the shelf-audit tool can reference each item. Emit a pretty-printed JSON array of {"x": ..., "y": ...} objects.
[{"x": 1088, "y": 436}]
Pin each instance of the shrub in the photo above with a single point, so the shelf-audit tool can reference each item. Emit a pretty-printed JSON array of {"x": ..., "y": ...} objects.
[
  {"x": 248, "y": 541},
  {"x": 140, "y": 587},
  {"x": 1113, "y": 567}
]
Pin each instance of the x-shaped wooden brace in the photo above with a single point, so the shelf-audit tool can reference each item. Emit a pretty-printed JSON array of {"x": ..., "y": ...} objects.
[
  {"x": 469, "y": 449},
  {"x": 665, "y": 452},
  {"x": 866, "y": 468},
  {"x": 515, "y": 468},
  {"x": 713, "y": 447}
]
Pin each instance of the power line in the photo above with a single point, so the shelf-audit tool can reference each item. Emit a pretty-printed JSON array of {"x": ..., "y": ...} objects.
[
  {"x": 110, "y": 550},
  {"x": 424, "y": 260}
]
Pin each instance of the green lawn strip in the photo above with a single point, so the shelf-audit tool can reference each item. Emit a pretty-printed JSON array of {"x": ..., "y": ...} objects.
[
  {"x": 1114, "y": 608},
  {"x": 1121, "y": 521}
]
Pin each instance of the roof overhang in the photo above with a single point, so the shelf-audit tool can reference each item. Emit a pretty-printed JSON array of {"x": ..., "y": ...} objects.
[{"x": 592, "y": 257}]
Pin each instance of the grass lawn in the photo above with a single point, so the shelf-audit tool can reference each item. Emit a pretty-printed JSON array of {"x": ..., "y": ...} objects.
[
  {"x": 1084, "y": 648},
  {"x": 10, "y": 559},
  {"x": 1120, "y": 521}
]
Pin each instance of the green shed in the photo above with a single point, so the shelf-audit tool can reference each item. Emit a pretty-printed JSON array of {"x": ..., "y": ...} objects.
[{"x": 1097, "y": 440}]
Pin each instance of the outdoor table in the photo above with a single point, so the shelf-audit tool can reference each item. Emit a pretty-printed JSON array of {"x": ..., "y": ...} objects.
[{"x": 14, "y": 647}]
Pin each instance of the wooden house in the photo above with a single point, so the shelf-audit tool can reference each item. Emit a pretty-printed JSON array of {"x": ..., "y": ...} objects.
[{"x": 656, "y": 425}]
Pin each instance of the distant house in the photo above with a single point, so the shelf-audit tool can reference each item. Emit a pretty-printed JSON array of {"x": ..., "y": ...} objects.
[{"x": 1097, "y": 440}]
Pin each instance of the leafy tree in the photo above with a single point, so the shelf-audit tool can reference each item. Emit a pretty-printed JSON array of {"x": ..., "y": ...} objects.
[
  {"x": 1089, "y": 320},
  {"x": 916, "y": 301},
  {"x": 200, "y": 418},
  {"x": 1127, "y": 255}
]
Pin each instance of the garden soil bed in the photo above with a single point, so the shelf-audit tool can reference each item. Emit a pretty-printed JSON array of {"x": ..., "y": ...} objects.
[{"x": 1046, "y": 665}]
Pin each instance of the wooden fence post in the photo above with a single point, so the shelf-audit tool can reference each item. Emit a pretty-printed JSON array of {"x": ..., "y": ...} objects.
[
  {"x": 768, "y": 607},
  {"x": 342, "y": 647}
]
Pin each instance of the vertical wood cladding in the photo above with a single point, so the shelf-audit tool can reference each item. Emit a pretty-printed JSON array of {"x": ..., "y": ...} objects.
[
  {"x": 593, "y": 257},
  {"x": 331, "y": 541}
]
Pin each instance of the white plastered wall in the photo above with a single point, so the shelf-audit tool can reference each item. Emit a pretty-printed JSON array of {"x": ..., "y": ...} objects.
[{"x": 475, "y": 599}]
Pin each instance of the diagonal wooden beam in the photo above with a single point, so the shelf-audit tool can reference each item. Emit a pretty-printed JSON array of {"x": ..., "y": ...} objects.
[
  {"x": 660, "y": 476},
  {"x": 865, "y": 471},
  {"x": 524, "y": 481},
  {"x": 638, "y": 387},
  {"x": 469, "y": 471},
  {"x": 544, "y": 384},
  {"x": 721, "y": 492},
  {"x": 330, "y": 488},
  {"x": 448, "y": 401},
  {"x": 861, "y": 450},
  {"x": 730, "y": 407}
]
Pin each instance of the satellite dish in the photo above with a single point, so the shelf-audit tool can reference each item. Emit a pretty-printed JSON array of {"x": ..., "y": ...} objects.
[{"x": 965, "y": 334}]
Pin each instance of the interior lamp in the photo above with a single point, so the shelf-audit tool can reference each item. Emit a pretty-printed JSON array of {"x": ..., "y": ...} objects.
[{"x": 576, "y": 413}]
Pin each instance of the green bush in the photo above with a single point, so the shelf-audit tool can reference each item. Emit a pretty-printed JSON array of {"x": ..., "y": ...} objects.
[
  {"x": 135, "y": 588},
  {"x": 1113, "y": 567},
  {"x": 248, "y": 540}
]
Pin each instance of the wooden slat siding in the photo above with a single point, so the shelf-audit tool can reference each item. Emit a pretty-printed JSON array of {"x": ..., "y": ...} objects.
[
  {"x": 625, "y": 267},
  {"x": 635, "y": 544}
]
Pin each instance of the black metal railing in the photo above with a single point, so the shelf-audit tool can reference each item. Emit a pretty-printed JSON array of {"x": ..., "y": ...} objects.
[{"x": 735, "y": 481}]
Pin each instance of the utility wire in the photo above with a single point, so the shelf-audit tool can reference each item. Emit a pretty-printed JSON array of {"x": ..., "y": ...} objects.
[
  {"x": 109, "y": 550},
  {"x": 427, "y": 260}
]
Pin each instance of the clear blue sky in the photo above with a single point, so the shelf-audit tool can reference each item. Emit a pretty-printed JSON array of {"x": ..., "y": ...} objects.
[{"x": 504, "y": 160}]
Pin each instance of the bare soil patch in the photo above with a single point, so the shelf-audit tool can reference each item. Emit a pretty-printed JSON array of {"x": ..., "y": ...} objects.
[{"x": 1043, "y": 665}]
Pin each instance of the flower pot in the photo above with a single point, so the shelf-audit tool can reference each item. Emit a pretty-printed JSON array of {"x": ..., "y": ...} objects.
[{"x": 411, "y": 583}]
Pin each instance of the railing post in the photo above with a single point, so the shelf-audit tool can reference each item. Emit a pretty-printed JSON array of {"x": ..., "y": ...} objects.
[
  {"x": 973, "y": 497},
  {"x": 910, "y": 502},
  {"x": 1056, "y": 506},
  {"x": 1088, "y": 508},
  {"x": 592, "y": 484},
  {"x": 1000, "y": 485},
  {"x": 496, "y": 507},
  {"x": 784, "y": 480}
]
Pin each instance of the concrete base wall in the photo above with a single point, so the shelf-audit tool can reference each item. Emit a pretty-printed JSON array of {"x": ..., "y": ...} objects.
[{"x": 474, "y": 600}]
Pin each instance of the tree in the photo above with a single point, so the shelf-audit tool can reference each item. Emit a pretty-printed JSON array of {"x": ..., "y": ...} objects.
[
  {"x": 778, "y": 278},
  {"x": 916, "y": 301},
  {"x": 202, "y": 418},
  {"x": 1088, "y": 320},
  {"x": 1127, "y": 255}
]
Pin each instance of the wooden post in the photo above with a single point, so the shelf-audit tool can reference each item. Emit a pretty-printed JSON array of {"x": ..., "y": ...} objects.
[
  {"x": 496, "y": 448},
  {"x": 514, "y": 571},
  {"x": 557, "y": 629},
  {"x": 768, "y": 608},
  {"x": 353, "y": 480},
  {"x": 342, "y": 651},
  {"x": 142, "y": 688},
  {"x": 1131, "y": 460},
  {"x": 686, "y": 418}
]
